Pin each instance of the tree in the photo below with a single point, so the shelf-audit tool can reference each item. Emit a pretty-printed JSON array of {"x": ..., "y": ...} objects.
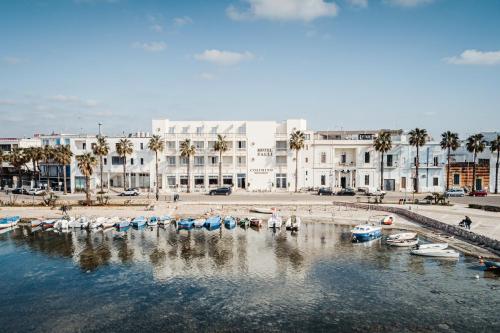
[
  {"x": 495, "y": 147},
  {"x": 63, "y": 157},
  {"x": 449, "y": 142},
  {"x": 47, "y": 154},
  {"x": 17, "y": 159},
  {"x": 188, "y": 150},
  {"x": 418, "y": 138},
  {"x": 86, "y": 164},
  {"x": 124, "y": 148},
  {"x": 101, "y": 149},
  {"x": 3, "y": 157},
  {"x": 297, "y": 139},
  {"x": 156, "y": 145},
  {"x": 475, "y": 144},
  {"x": 382, "y": 143},
  {"x": 221, "y": 146},
  {"x": 31, "y": 155}
]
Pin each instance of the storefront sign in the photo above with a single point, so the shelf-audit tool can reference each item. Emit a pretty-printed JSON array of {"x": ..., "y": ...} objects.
[{"x": 261, "y": 171}]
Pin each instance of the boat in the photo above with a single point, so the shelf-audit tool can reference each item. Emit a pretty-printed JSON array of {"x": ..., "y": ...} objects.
[
  {"x": 402, "y": 242},
  {"x": 79, "y": 223},
  {"x": 365, "y": 233},
  {"x": 229, "y": 222},
  {"x": 489, "y": 264},
  {"x": 293, "y": 223},
  {"x": 96, "y": 222},
  {"x": 48, "y": 224},
  {"x": 402, "y": 236},
  {"x": 110, "y": 222},
  {"x": 6, "y": 230},
  {"x": 213, "y": 222},
  {"x": 261, "y": 210},
  {"x": 244, "y": 222},
  {"x": 165, "y": 219},
  {"x": 9, "y": 221},
  {"x": 152, "y": 221},
  {"x": 274, "y": 221},
  {"x": 186, "y": 224},
  {"x": 432, "y": 246},
  {"x": 138, "y": 221},
  {"x": 35, "y": 223},
  {"x": 436, "y": 253},
  {"x": 123, "y": 223},
  {"x": 200, "y": 222},
  {"x": 255, "y": 222},
  {"x": 61, "y": 224},
  {"x": 387, "y": 220}
]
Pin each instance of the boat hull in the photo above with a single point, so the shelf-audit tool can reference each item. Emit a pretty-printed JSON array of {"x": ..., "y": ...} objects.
[
  {"x": 436, "y": 253},
  {"x": 213, "y": 223}
]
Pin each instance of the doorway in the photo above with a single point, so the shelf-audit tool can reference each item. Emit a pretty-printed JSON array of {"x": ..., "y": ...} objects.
[
  {"x": 479, "y": 184},
  {"x": 389, "y": 184},
  {"x": 241, "y": 180},
  {"x": 343, "y": 182}
]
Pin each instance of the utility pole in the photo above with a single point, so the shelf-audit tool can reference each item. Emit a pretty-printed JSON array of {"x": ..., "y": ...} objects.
[{"x": 99, "y": 124}]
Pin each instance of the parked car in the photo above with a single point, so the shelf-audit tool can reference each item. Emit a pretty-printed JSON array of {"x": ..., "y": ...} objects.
[
  {"x": 346, "y": 191},
  {"x": 377, "y": 192},
  {"x": 19, "y": 190},
  {"x": 130, "y": 192},
  {"x": 221, "y": 191},
  {"x": 454, "y": 192},
  {"x": 325, "y": 191},
  {"x": 478, "y": 193},
  {"x": 36, "y": 191}
]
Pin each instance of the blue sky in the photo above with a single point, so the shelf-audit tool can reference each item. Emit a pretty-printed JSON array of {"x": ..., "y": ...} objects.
[{"x": 352, "y": 64}]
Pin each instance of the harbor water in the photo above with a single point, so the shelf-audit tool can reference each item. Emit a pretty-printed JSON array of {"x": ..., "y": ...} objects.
[{"x": 160, "y": 279}]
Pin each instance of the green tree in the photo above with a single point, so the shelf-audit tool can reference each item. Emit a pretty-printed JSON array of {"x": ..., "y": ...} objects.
[
  {"x": 475, "y": 144},
  {"x": 17, "y": 159},
  {"x": 495, "y": 147},
  {"x": 101, "y": 149},
  {"x": 86, "y": 163},
  {"x": 47, "y": 154},
  {"x": 449, "y": 142},
  {"x": 382, "y": 143},
  {"x": 221, "y": 146},
  {"x": 124, "y": 148},
  {"x": 418, "y": 138},
  {"x": 156, "y": 145},
  {"x": 187, "y": 150},
  {"x": 296, "y": 143},
  {"x": 63, "y": 157}
]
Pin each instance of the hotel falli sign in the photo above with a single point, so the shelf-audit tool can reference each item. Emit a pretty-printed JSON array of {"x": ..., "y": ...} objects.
[{"x": 264, "y": 152}]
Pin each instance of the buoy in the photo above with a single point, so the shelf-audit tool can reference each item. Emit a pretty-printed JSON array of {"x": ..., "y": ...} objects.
[{"x": 477, "y": 277}]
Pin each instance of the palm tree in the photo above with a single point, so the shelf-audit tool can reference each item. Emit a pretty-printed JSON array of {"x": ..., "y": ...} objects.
[
  {"x": 31, "y": 155},
  {"x": 475, "y": 144},
  {"x": 17, "y": 159},
  {"x": 101, "y": 149},
  {"x": 221, "y": 145},
  {"x": 382, "y": 143},
  {"x": 37, "y": 155},
  {"x": 449, "y": 142},
  {"x": 495, "y": 147},
  {"x": 63, "y": 157},
  {"x": 297, "y": 143},
  {"x": 188, "y": 150},
  {"x": 3, "y": 157},
  {"x": 418, "y": 138},
  {"x": 86, "y": 164},
  {"x": 124, "y": 148},
  {"x": 47, "y": 154},
  {"x": 156, "y": 144}
]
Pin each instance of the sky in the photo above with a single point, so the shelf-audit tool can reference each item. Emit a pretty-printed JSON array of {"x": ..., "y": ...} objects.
[{"x": 66, "y": 65}]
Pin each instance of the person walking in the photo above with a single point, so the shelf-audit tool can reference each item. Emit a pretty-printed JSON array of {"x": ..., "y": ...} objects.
[{"x": 467, "y": 223}]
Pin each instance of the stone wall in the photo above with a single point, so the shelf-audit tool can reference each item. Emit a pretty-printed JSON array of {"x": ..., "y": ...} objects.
[{"x": 428, "y": 222}]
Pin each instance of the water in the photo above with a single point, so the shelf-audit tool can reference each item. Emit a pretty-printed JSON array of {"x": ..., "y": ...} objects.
[{"x": 235, "y": 280}]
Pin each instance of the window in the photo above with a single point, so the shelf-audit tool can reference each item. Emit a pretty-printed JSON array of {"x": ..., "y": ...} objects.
[
  {"x": 116, "y": 160},
  {"x": 142, "y": 146},
  {"x": 84, "y": 146},
  {"x": 414, "y": 161},
  {"x": 213, "y": 180},
  {"x": 184, "y": 180},
  {"x": 199, "y": 144},
  {"x": 213, "y": 160},
  {"x": 483, "y": 161},
  {"x": 105, "y": 160},
  {"x": 367, "y": 157},
  {"x": 93, "y": 146},
  {"x": 323, "y": 157},
  {"x": 185, "y": 129},
  {"x": 171, "y": 144},
  {"x": 131, "y": 161},
  {"x": 211, "y": 144},
  {"x": 307, "y": 136},
  {"x": 171, "y": 130},
  {"x": 199, "y": 130},
  {"x": 389, "y": 160},
  {"x": 241, "y": 129},
  {"x": 403, "y": 182},
  {"x": 199, "y": 181},
  {"x": 241, "y": 160},
  {"x": 241, "y": 144},
  {"x": 456, "y": 179},
  {"x": 213, "y": 130},
  {"x": 281, "y": 180},
  {"x": 436, "y": 161},
  {"x": 184, "y": 160},
  {"x": 435, "y": 181},
  {"x": 307, "y": 160},
  {"x": 171, "y": 160},
  {"x": 367, "y": 179},
  {"x": 142, "y": 161},
  {"x": 199, "y": 160},
  {"x": 227, "y": 180},
  {"x": 323, "y": 180},
  {"x": 171, "y": 181},
  {"x": 343, "y": 158},
  {"x": 281, "y": 145},
  {"x": 281, "y": 160}
]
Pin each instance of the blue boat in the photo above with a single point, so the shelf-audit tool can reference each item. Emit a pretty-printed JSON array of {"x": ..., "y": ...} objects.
[
  {"x": 213, "y": 223},
  {"x": 229, "y": 222},
  {"x": 165, "y": 219},
  {"x": 153, "y": 221},
  {"x": 186, "y": 224},
  {"x": 123, "y": 223},
  {"x": 9, "y": 221},
  {"x": 139, "y": 221},
  {"x": 365, "y": 233}
]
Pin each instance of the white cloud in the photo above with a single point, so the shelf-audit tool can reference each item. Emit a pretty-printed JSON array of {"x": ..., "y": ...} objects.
[
  {"x": 12, "y": 60},
  {"x": 207, "y": 76},
  {"x": 224, "y": 57},
  {"x": 475, "y": 57},
  {"x": 182, "y": 21},
  {"x": 156, "y": 27},
  {"x": 150, "y": 46},
  {"x": 7, "y": 102},
  {"x": 358, "y": 3},
  {"x": 408, "y": 3},
  {"x": 283, "y": 10},
  {"x": 90, "y": 103}
]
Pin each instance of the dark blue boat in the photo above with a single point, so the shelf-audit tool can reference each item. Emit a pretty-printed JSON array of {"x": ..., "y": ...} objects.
[
  {"x": 186, "y": 224},
  {"x": 229, "y": 222},
  {"x": 213, "y": 223}
]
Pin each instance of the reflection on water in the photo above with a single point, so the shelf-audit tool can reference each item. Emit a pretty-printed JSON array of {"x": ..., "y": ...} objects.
[{"x": 161, "y": 279}]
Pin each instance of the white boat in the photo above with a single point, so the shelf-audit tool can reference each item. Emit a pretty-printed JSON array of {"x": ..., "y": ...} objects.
[
  {"x": 79, "y": 223},
  {"x": 402, "y": 242},
  {"x": 402, "y": 236},
  {"x": 436, "y": 253},
  {"x": 293, "y": 223},
  {"x": 61, "y": 224},
  {"x": 432, "y": 246},
  {"x": 388, "y": 220},
  {"x": 164, "y": 220},
  {"x": 199, "y": 223},
  {"x": 96, "y": 222},
  {"x": 274, "y": 221},
  {"x": 110, "y": 222}
]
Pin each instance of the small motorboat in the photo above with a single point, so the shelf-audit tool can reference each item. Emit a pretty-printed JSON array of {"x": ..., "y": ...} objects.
[
  {"x": 165, "y": 219},
  {"x": 123, "y": 223},
  {"x": 229, "y": 222},
  {"x": 402, "y": 236},
  {"x": 153, "y": 221},
  {"x": 110, "y": 222},
  {"x": 47, "y": 224},
  {"x": 432, "y": 246},
  {"x": 255, "y": 222},
  {"x": 365, "y": 233},
  {"x": 96, "y": 222},
  {"x": 244, "y": 222},
  {"x": 402, "y": 242},
  {"x": 213, "y": 222},
  {"x": 61, "y": 224},
  {"x": 200, "y": 222},
  {"x": 186, "y": 224},
  {"x": 274, "y": 221},
  {"x": 35, "y": 223},
  {"x": 436, "y": 253},
  {"x": 387, "y": 220},
  {"x": 9, "y": 221},
  {"x": 491, "y": 265},
  {"x": 138, "y": 221},
  {"x": 293, "y": 223},
  {"x": 79, "y": 223}
]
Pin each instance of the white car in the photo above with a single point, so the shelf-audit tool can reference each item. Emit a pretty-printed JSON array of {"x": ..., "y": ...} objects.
[
  {"x": 130, "y": 192},
  {"x": 372, "y": 192},
  {"x": 36, "y": 191},
  {"x": 454, "y": 192}
]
